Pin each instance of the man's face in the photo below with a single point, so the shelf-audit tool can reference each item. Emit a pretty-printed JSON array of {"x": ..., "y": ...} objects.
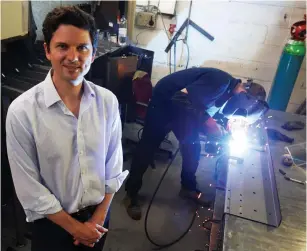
[
  {"x": 239, "y": 88},
  {"x": 71, "y": 54}
]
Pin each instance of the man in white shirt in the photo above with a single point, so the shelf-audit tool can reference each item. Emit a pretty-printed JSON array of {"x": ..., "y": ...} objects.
[{"x": 64, "y": 141}]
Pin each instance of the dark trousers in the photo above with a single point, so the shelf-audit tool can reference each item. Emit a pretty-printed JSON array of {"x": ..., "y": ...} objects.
[
  {"x": 48, "y": 236},
  {"x": 162, "y": 118}
]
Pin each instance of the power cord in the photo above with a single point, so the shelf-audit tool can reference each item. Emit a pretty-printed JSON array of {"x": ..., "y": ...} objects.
[
  {"x": 161, "y": 246},
  {"x": 150, "y": 8},
  {"x": 188, "y": 51},
  {"x": 154, "y": 7},
  {"x": 139, "y": 133},
  {"x": 136, "y": 38},
  {"x": 170, "y": 53}
]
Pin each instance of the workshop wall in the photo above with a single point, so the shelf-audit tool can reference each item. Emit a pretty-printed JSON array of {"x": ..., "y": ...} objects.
[{"x": 249, "y": 38}]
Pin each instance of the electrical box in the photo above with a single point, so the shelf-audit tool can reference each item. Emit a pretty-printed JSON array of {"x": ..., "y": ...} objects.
[
  {"x": 146, "y": 19},
  {"x": 167, "y": 7}
]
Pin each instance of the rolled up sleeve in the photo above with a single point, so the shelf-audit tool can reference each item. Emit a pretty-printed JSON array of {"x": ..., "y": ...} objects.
[
  {"x": 114, "y": 161},
  {"x": 34, "y": 197}
]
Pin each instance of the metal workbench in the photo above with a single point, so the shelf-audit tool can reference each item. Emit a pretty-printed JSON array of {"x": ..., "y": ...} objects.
[{"x": 233, "y": 233}]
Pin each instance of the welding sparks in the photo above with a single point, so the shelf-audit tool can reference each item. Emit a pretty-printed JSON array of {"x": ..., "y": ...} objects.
[
  {"x": 237, "y": 147},
  {"x": 239, "y": 142}
]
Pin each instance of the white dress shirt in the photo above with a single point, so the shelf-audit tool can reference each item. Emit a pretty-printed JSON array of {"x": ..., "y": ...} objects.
[{"x": 59, "y": 161}]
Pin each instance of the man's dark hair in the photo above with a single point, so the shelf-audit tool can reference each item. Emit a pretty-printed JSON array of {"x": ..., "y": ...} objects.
[{"x": 69, "y": 15}]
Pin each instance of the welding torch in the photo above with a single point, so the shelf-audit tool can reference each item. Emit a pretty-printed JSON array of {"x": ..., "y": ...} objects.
[{"x": 233, "y": 142}]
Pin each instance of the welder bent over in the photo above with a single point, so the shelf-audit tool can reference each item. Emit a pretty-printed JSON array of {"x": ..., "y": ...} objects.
[{"x": 184, "y": 102}]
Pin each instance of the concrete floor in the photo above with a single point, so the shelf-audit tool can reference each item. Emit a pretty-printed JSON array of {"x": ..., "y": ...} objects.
[{"x": 169, "y": 215}]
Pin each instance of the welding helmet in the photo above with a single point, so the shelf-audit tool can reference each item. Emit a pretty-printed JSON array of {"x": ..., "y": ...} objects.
[
  {"x": 245, "y": 105},
  {"x": 255, "y": 89}
]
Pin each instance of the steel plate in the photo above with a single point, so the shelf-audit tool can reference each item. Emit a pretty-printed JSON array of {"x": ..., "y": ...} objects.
[{"x": 251, "y": 191}]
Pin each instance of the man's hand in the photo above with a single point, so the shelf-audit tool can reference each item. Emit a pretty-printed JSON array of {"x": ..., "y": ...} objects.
[
  {"x": 96, "y": 222},
  {"x": 88, "y": 234},
  {"x": 93, "y": 224},
  {"x": 213, "y": 129}
]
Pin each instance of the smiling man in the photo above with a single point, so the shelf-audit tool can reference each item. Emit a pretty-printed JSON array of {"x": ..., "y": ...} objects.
[{"x": 64, "y": 142}]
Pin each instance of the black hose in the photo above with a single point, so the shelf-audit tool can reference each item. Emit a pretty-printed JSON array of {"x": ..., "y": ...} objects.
[
  {"x": 160, "y": 246},
  {"x": 139, "y": 133}
]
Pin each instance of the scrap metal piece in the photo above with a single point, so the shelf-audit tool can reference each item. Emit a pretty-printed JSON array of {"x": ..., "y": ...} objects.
[{"x": 251, "y": 191}]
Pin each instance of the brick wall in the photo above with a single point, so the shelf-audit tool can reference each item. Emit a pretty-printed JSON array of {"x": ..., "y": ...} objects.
[{"x": 249, "y": 38}]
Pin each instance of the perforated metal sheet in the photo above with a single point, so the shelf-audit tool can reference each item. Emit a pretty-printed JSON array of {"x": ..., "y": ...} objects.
[{"x": 251, "y": 188}]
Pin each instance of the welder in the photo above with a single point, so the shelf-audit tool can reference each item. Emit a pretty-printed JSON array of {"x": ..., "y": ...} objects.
[{"x": 185, "y": 102}]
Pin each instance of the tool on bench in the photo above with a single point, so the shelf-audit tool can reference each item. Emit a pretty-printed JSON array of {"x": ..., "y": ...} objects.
[
  {"x": 294, "y": 180},
  {"x": 293, "y": 125},
  {"x": 276, "y": 135},
  {"x": 291, "y": 179},
  {"x": 287, "y": 160}
]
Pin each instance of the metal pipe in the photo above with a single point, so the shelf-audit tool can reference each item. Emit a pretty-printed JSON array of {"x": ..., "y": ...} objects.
[
  {"x": 175, "y": 57},
  {"x": 188, "y": 23}
]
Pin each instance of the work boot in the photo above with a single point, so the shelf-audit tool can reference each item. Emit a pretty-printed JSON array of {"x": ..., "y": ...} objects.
[
  {"x": 132, "y": 207},
  {"x": 194, "y": 195}
]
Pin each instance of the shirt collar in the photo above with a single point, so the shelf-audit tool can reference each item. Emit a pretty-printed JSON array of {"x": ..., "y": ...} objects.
[
  {"x": 51, "y": 95},
  {"x": 88, "y": 90}
]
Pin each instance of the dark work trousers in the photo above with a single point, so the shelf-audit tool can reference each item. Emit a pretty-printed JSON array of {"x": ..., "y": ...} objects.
[
  {"x": 162, "y": 118},
  {"x": 48, "y": 236}
]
